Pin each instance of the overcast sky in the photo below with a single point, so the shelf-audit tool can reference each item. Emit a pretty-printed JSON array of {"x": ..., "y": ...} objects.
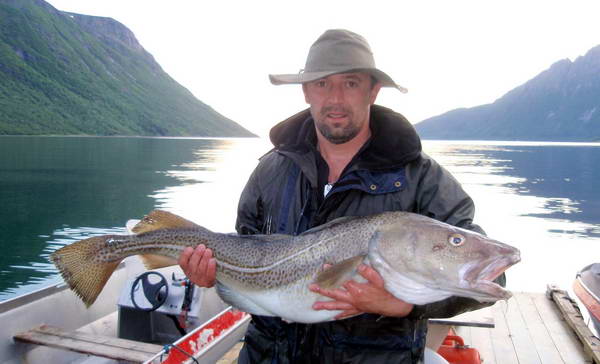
[{"x": 449, "y": 54}]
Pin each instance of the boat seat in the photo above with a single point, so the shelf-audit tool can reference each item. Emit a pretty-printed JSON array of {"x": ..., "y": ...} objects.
[{"x": 97, "y": 345}]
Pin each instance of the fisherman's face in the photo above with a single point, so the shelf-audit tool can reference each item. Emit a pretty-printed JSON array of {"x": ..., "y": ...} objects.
[{"x": 340, "y": 104}]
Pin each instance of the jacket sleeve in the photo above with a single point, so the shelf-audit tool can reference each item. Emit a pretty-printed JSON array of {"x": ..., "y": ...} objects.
[{"x": 440, "y": 196}]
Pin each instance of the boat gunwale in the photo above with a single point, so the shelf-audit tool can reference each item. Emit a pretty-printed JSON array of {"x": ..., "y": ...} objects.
[{"x": 29, "y": 297}]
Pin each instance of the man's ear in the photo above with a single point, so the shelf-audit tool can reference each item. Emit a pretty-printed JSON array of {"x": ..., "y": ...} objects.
[
  {"x": 374, "y": 92},
  {"x": 304, "y": 88}
]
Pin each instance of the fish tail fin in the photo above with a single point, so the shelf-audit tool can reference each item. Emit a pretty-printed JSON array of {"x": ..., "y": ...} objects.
[{"x": 81, "y": 269}]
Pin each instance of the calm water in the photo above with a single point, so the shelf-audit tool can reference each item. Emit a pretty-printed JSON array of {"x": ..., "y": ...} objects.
[{"x": 55, "y": 190}]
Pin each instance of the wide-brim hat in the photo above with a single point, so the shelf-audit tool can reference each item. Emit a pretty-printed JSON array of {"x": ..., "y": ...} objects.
[{"x": 337, "y": 51}]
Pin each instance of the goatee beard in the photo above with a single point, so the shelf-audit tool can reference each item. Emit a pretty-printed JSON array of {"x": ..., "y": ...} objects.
[
  {"x": 345, "y": 136},
  {"x": 333, "y": 135}
]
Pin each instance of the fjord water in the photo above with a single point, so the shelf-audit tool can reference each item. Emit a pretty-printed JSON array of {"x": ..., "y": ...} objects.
[{"x": 540, "y": 197}]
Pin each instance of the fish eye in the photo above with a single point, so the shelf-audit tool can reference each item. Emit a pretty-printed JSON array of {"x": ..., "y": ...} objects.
[{"x": 456, "y": 239}]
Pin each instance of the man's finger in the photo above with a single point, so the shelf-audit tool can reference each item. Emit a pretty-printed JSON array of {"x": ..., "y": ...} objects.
[
  {"x": 332, "y": 305},
  {"x": 336, "y": 294},
  {"x": 195, "y": 259},
  {"x": 354, "y": 288},
  {"x": 211, "y": 270},
  {"x": 185, "y": 255},
  {"x": 204, "y": 259},
  {"x": 371, "y": 275},
  {"x": 347, "y": 313}
]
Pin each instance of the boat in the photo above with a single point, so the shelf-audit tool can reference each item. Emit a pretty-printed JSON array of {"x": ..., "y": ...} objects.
[
  {"x": 148, "y": 317},
  {"x": 587, "y": 288},
  {"x": 143, "y": 317}
]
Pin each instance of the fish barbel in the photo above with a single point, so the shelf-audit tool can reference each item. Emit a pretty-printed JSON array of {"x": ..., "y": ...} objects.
[{"x": 421, "y": 260}]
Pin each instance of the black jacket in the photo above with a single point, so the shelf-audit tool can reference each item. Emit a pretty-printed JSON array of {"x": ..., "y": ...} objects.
[{"x": 389, "y": 173}]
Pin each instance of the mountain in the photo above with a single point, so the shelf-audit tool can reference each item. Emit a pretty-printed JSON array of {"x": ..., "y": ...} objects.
[
  {"x": 64, "y": 73},
  {"x": 560, "y": 104}
]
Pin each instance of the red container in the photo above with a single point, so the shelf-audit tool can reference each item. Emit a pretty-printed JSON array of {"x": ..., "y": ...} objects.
[{"x": 453, "y": 349}]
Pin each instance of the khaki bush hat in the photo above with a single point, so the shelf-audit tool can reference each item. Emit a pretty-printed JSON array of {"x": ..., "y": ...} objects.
[{"x": 337, "y": 51}]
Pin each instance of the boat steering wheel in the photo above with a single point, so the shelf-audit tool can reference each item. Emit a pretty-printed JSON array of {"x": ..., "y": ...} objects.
[{"x": 155, "y": 293}]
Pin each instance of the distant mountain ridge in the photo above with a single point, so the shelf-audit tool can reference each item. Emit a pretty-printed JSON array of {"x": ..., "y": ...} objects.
[
  {"x": 71, "y": 74},
  {"x": 562, "y": 103}
]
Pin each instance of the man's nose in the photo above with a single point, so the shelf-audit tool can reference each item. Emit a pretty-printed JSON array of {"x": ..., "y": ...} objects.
[{"x": 336, "y": 93}]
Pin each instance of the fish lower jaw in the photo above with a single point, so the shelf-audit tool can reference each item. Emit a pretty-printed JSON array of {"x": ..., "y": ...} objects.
[
  {"x": 413, "y": 288},
  {"x": 482, "y": 291}
]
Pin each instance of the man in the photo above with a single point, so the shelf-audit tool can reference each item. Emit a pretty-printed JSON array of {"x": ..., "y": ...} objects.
[{"x": 344, "y": 156}]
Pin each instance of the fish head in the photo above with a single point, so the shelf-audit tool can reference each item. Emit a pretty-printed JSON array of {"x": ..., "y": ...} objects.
[{"x": 443, "y": 258}]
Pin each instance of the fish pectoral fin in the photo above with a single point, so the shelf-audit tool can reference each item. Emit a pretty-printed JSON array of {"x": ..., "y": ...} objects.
[
  {"x": 159, "y": 219},
  {"x": 154, "y": 261},
  {"x": 334, "y": 276}
]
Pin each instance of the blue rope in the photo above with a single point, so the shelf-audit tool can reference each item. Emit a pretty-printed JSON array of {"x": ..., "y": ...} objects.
[{"x": 167, "y": 348}]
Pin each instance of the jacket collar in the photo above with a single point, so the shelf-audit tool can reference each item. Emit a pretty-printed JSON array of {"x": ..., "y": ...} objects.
[{"x": 394, "y": 141}]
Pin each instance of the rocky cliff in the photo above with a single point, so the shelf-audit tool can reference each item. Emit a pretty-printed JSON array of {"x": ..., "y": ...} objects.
[{"x": 562, "y": 103}]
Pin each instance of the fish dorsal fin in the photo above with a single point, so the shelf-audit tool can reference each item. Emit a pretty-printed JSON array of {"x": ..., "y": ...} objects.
[
  {"x": 264, "y": 237},
  {"x": 159, "y": 219},
  {"x": 330, "y": 224},
  {"x": 334, "y": 276},
  {"x": 130, "y": 225}
]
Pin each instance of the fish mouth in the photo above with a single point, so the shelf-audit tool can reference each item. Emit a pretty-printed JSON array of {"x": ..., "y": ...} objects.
[
  {"x": 496, "y": 267},
  {"x": 481, "y": 276}
]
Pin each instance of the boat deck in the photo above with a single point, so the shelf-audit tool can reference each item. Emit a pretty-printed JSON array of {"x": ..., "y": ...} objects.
[{"x": 529, "y": 328}]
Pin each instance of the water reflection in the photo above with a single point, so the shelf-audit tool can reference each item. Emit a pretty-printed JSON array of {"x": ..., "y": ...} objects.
[
  {"x": 538, "y": 197},
  {"x": 54, "y": 190},
  {"x": 561, "y": 177},
  {"x": 211, "y": 184}
]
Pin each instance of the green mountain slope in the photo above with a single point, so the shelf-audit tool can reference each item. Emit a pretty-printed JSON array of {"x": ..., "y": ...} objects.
[{"x": 63, "y": 73}]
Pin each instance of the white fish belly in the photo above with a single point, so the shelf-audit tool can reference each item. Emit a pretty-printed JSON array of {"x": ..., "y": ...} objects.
[{"x": 292, "y": 307}]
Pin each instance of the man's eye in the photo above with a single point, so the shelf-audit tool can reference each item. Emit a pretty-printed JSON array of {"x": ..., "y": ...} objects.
[
  {"x": 320, "y": 84},
  {"x": 352, "y": 84}
]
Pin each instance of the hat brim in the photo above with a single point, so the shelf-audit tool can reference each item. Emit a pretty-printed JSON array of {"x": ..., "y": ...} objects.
[{"x": 303, "y": 77}]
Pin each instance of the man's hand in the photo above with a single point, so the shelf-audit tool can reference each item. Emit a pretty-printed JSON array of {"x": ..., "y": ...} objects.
[
  {"x": 199, "y": 265},
  {"x": 356, "y": 298}
]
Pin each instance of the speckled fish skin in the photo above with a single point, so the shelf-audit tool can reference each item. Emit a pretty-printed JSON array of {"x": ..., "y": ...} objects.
[{"x": 420, "y": 259}]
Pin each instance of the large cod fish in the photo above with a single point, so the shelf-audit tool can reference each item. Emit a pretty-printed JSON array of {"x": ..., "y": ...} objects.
[{"x": 420, "y": 259}]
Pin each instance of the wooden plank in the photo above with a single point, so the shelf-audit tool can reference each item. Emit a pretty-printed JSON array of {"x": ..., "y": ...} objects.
[
  {"x": 568, "y": 345},
  {"x": 544, "y": 346},
  {"x": 568, "y": 307},
  {"x": 103, "y": 346},
  {"x": 503, "y": 346},
  {"x": 522, "y": 341},
  {"x": 481, "y": 339},
  {"x": 528, "y": 329},
  {"x": 232, "y": 355}
]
